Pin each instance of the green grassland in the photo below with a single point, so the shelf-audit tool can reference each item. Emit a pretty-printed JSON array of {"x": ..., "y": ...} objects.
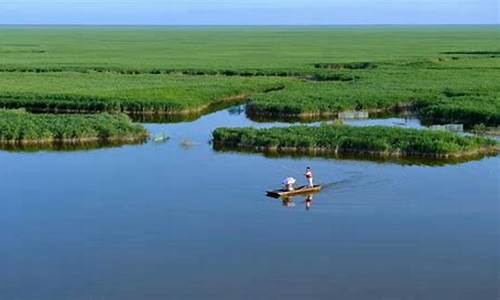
[
  {"x": 238, "y": 48},
  {"x": 90, "y": 92},
  {"x": 469, "y": 96},
  {"x": 323, "y": 69},
  {"x": 18, "y": 127},
  {"x": 445, "y": 73},
  {"x": 341, "y": 139}
]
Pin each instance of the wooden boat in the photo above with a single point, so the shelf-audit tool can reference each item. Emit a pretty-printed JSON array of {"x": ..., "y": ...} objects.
[{"x": 301, "y": 190}]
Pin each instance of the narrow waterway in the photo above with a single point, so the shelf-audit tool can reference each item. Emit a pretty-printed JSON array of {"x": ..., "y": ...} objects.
[{"x": 178, "y": 220}]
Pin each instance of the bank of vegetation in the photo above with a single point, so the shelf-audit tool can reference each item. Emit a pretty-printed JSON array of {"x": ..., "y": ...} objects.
[
  {"x": 18, "y": 127},
  {"x": 471, "y": 110},
  {"x": 464, "y": 96},
  {"x": 343, "y": 139},
  {"x": 150, "y": 94},
  {"x": 186, "y": 72}
]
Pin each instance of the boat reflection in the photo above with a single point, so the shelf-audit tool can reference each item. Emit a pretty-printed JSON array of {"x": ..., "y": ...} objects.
[
  {"x": 288, "y": 201},
  {"x": 309, "y": 201}
]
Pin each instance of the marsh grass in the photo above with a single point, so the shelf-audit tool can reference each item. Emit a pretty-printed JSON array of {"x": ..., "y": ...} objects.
[
  {"x": 372, "y": 140},
  {"x": 449, "y": 74},
  {"x": 98, "y": 92},
  {"x": 18, "y": 127}
]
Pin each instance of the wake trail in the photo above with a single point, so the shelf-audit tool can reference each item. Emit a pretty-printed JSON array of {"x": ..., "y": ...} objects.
[{"x": 354, "y": 182}]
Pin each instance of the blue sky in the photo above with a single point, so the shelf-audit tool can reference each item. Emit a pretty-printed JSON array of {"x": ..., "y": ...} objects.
[{"x": 249, "y": 12}]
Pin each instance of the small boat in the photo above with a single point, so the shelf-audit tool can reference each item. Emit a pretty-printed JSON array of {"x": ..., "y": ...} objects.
[
  {"x": 161, "y": 138},
  {"x": 301, "y": 190}
]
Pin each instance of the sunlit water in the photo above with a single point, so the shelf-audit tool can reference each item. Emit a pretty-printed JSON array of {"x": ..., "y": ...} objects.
[{"x": 178, "y": 220}]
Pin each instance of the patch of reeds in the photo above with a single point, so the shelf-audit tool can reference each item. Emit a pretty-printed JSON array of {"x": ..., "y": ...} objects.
[
  {"x": 373, "y": 140},
  {"x": 466, "y": 109},
  {"x": 18, "y": 127}
]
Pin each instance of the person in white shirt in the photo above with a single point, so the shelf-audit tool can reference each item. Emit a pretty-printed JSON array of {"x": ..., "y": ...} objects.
[{"x": 309, "y": 177}]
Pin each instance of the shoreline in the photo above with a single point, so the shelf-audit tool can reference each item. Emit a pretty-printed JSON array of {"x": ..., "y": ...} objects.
[
  {"x": 396, "y": 108},
  {"x": 123, "y": 140},
  {"x": 200, "y": 110}
]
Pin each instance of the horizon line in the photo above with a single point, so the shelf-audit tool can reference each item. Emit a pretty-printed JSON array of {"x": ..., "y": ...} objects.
[{"x": 251, "y": 25}]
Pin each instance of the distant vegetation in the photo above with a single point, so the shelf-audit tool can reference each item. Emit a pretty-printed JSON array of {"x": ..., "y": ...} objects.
[
  {"x": 233, "y": 48},
  {"x": 94, "y": 92},
  {"x": 445, "y": 74},
  {"x": 468, "y": 96},
  {"x": 18, "y": 127},
  {"x": 285, "y": 72},
  {"x": 339, "y": 139}
]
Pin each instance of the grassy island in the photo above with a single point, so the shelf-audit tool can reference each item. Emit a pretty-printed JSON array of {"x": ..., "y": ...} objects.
[
  {"x": 342, "y": 139},
  {"x": 18, "y": 127}
]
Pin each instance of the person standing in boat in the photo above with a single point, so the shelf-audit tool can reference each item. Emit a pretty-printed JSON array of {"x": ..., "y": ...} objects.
[{"x": 309, "y": 177}]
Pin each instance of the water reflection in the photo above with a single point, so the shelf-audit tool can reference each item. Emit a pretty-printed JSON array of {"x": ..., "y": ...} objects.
[
  {"x": 409, "y": 161},
  {"x": 290, "y": 201},
  {"x": 236, "y": 110},
  {"x": 164, "y": 118},
  {"x": 69, "y": 147},
  {"x": 287, "y": 201},
  {"x": 174, "y": 118},
  {"x": 309, "y": 201},
  {"x": 388, "y": 117}
]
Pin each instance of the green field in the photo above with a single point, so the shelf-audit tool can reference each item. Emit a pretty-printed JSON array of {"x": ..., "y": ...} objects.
[
  {"x": 445, "y": 73},
  {"x": 323, "y": 70},
  {"x": 341, "y": 139},
  {"x": 89, "y": 92},
  {"x": 239, "y": 48},
  {"x": 454, "y": 95}
]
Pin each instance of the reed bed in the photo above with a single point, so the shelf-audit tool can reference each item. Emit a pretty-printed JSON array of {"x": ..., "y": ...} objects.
[
  {"x": 446, "y": 74},
  {"x": 372, "y": 140},
  {"x": 97, "y": 92},
  {"x": 184, "y": 70},
  {"x": 18, "y": 127},
  {"x": 470, "y": 96}
]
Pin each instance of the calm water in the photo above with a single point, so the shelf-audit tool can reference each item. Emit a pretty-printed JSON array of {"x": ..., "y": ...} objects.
[{"x": 180, "y": 221}]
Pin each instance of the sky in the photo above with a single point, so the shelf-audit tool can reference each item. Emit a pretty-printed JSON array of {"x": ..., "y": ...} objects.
[{"x": 249, "y": 12}]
